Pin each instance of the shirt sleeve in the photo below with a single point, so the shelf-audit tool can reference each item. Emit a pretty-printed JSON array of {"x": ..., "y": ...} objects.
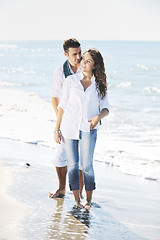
[
  {"x": 104, "y": 103},
  {"x": 57, "y": 84},
  {"x": 65, "y": 93}
]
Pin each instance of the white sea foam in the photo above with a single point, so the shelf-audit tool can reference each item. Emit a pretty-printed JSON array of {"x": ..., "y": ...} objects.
[
  {"x": 142, "y": 66},
  {"x": 31, "y": 71},
  {"x": 124, "y": 85},
  {"x": 9, "y": 84},
  {"x": 152, "y": 89},
  {"x": 8, "y": 46},
  {"x": 18, "y": 70},
  {"x": 129, "y": 156},
  {"x": 26, "y": 117}
]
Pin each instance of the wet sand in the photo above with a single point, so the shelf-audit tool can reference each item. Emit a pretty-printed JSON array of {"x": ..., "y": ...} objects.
[
  {"x": 12, "y": 211},
  {"x": 127, "y": 207}
]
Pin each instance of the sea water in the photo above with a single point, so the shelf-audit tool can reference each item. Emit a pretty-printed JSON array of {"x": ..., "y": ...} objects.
[{"x": 128, "y": 139}]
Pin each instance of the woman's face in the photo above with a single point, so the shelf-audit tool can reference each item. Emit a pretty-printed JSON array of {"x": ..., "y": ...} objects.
[{"x": 87, "y": 63}]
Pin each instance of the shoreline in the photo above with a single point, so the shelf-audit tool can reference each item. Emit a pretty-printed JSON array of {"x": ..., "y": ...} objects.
[{"x": 40, "y": 144}]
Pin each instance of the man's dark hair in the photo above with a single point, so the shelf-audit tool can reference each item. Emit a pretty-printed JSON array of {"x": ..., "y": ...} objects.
[{"x": 70, "y": 43}]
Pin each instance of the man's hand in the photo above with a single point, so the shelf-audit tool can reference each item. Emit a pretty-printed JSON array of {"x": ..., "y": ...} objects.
[{"x": 57, "y": 137}]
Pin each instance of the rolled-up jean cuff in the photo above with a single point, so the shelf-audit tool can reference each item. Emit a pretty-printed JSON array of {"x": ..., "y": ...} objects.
[
  {"x": 72, "y": 187},
  {"x": 90, "y": 188}
]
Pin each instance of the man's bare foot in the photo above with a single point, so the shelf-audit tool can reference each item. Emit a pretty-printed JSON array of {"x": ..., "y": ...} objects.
[{"x": 58, "y": 194}]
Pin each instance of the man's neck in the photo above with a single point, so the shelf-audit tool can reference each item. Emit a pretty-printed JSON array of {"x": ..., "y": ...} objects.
[{"x": 74, "y": 68}]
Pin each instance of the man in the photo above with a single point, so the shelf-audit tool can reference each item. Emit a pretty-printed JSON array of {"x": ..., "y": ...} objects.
[{"x": 72, "y": 51}]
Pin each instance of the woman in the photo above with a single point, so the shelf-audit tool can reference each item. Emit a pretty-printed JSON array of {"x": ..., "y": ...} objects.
[{"x": 83, "y": 104}]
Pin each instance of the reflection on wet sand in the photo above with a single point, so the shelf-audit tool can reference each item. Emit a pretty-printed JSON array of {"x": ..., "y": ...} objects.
[
  {"x": 81, "y": 215},
  {"x": 68, "y": 225}
]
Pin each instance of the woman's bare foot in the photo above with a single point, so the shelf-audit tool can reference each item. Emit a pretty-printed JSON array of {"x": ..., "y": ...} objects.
[{"x": 87, "y": 206}]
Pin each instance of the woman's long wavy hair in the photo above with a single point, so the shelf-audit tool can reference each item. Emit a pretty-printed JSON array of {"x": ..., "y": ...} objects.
[{"x": 99, "y": 72}]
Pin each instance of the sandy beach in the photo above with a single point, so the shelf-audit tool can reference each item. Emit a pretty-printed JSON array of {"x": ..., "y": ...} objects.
[
  {"x": 12, "y": 211},
  {"x": 126, "y": 207}
]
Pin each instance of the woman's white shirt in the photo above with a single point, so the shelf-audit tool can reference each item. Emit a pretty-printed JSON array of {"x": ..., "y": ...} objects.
[{"x": 79, "y": 106}]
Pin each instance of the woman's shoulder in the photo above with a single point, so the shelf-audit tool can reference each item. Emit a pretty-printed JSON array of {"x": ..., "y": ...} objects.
[{"x": 75, "y": 77}]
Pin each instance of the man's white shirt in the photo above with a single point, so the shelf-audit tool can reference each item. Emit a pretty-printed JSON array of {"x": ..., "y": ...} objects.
[{"x": 58, "y": 81}]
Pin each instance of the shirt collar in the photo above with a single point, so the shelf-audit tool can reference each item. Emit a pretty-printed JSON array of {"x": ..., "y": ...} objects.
[
  {"x": 81, "y": 77},
  {"x": 72, "y": 70},
  {"x": 93, "y": 79}
]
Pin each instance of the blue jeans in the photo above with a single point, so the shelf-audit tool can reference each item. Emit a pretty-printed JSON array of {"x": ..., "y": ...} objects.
[{"x": 81, "y": 150}]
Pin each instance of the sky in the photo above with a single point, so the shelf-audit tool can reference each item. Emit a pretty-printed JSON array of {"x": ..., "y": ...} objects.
[{"x": 137, "y": 20}]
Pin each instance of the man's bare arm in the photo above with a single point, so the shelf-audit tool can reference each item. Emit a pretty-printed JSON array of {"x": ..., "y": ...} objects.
[{"x": 55, "y": 102}]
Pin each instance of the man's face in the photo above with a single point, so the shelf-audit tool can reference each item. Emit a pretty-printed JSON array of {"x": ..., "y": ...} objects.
[{"x": 74, "y": 56}]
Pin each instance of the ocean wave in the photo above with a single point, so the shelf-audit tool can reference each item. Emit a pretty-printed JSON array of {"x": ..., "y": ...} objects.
[
  {"x": 128, "y": 156},
  {"x": 142, "y": 66},
  {"x": 124, "y": 85},
  {"x": 10, "y": 84},
  {"x": 8, "y": 46},
  {"x": 31, "y": 71},
  {"x": 130, "y": 164},
  {"x": 18, "y": 70},
  {"x": 152, "y": 90},
  {"x": 26, "y": 117}
]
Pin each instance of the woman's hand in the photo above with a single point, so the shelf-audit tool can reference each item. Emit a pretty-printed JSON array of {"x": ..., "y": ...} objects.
[
  {"x": 94, "y": 121},
  {"x": 57, "y": 136}
]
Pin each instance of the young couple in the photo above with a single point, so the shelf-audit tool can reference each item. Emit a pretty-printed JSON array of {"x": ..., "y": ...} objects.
[{"x": 79, "y": 107}]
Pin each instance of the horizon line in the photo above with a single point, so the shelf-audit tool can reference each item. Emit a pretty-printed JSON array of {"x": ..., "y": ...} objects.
[{"x": 105, "y": 40}]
